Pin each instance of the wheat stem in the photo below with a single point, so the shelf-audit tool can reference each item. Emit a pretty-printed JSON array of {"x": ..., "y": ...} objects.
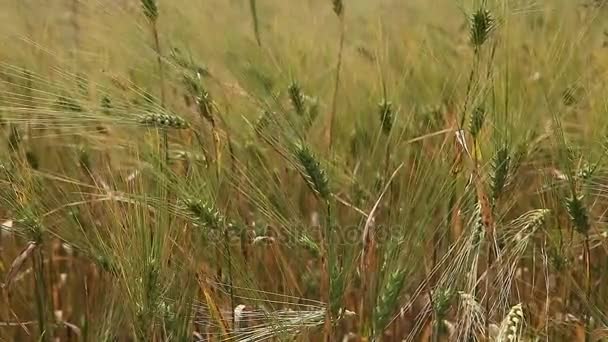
[
  {"x": 254, "y": 17},
  {"x": 334, "y": 101}
]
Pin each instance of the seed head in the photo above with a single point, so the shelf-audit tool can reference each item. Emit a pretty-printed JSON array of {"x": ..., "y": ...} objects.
[
  {"x": 385, "y": 109},
  {"x": 32, "y": 160},
  {"x": 511, "y": 325},
  {"x": 296, "y": 97},
  {"x": 205, "y": 104},
  {"x": 68, "y": 104},
  {"x": 204, "y": 213},
  {"x": 578, "y": 214},
  {"x": 338, "y": 7},
  {"x": 313, "y": 107},
  {"x": 477, "y": 119},
  {"x": 106, "y": 105},
  {"x": 482, "y": 24},
  {"x": 500, "y": 172},
  {"x": 388, "y": 299},
  {"x": 441, "y": 301},
  {"x": 150, "y": 8},
  {"x": 163, "y": 121},
  {"x": 315, "y": 174}
]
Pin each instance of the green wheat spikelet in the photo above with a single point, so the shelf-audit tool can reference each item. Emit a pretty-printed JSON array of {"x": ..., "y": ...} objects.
[
  {"x": 441, "y": 301},
  {"x": 499, "y": 176},
  {"x": 263, "y": 121},
  {"x": 477, "y": 120},
  {"x": 31, "y": 224},
  {"x": 482, "y": 24},
  {"x": 32, "y": 160},
  {"x": 387, "y": 300},
  {"x": 313, "y": 108},
  {"x": 578, "y": 214},
  {"x": 205, "y": 104},
  {"x": 150, "y": 8},
  {"x": 585, "y": 171},
  {"x": 385, "y": 109},
  {"x": 163, "y": 121},
  {"x": 67, "y": 104},
  {"x": 478, "y": 231},
  {"x": 204, "y": 214},
  {"x": 297, "y": 98},
  {"x": 338, "y": 7},
  {"x": 315, "y": 174},
  {"x": 106, "y": 104}
]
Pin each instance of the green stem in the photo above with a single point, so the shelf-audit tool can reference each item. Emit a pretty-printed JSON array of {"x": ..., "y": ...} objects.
[
  {"x": 40, "y": 293},
  {"x": 230, "y": 279},
  {"x": 334, "y": 102},
  {"x": 161, "y": 73},
  {"x": 436, "y": 329},
  {"x": 588, "y": 326},
  {"x": 469, "y": 89},
  {"x": 329, "y": 271},
  {"x": 256, "y": 26}
]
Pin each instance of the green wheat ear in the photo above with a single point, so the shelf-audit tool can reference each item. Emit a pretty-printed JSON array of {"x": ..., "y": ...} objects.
[
  {"x": 313, "y": 108},
  {"x": 106, "y": 105},
  {"x": 578, "y": 214},
  {"x": 441, "y": 301},
  {"x": 105, "y": 263},
  {"x": 501, "y": 163},
  {"x": 32, "y": 225},
  {"x": 482, "y": 24},
  {"x": 477, "y": 119},
  {"x": 263, "y": 121},
  {"x": 338, "y": 7},
  {"x": 388, "y": 300},
  {"x": 67, "y": 104},
  {"x": 150, "y": 9},
  {"x": 32, "y": 160},
  {"x": 204, "y": 214},
  {"x": 316, "y": 177},
  {"x": 296, "y": 97},
  {"x": 385, "y": 109},
  {"x": 205, "y": 104},
  {"x": 163, "y": 121}
]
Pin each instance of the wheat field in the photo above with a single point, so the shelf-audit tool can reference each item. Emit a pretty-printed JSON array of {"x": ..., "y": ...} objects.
[{"x": 303, "y": 170}]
